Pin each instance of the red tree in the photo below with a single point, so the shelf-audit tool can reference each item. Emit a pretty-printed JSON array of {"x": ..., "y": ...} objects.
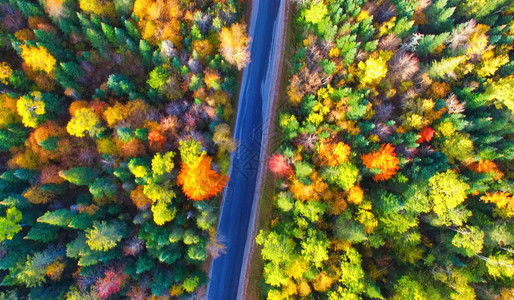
[
  {"x": 278, "y": 165},
  {"x": 111, "y": 283}
]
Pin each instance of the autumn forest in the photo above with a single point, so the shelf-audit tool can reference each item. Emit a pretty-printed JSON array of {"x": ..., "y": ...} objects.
[{"x": 392, "y": 178}]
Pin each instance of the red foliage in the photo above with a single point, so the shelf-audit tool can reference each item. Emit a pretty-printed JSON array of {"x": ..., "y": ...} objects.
[
  {"x": 110, "y": 284},
  {"x": 279, "y": 165},
  {"x": 426, "y": 134},
  {"x": 156, "y": 139}
]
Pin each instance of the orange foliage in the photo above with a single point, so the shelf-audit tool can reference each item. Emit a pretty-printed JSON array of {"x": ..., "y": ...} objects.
[
  {"x": 98, "y": 107},
  {"x": 322, "y": 282},
  {"x": 133, "y": 148},
  {"x": 54, "y": 270},
  {"x": 439, "y": 90},
  {"x": 156, "y": 139},
  {"x": 338, "y": 204},
  {"x": 36, "y": 195},
  {"x": 88, "y": 209},
  {"x": 385, "y": 160},
  {"x": 333, "y": 154},
  {"x": 50, "y": 174},
  {"x": 25, "y": 160},
  {"x": 486, "y": 166},
  {"x": 200, "y": 182},
  {"x": 139, "y": 198},
  {"x": 159, "y": 20},
  {"x": 501, "y": 199},
  {"x": 46, "y": 130},
  {"x": 301, "y": 191},
  {"x": 76, "y": 105},
  {"x": 426, "y": 135},
  {"x": 304, "y": 289}
]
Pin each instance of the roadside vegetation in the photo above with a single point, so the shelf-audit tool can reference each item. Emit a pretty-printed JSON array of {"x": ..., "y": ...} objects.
[
  {"x": 394, "y": 177},
  {"x": 114, "y": 143}
]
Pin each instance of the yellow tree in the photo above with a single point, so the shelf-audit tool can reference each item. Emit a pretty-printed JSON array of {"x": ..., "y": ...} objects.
[
  {"x": 234, "y": 45},
  {"x": 38, "y": 58},
  {"x": 85, "y": 120}
]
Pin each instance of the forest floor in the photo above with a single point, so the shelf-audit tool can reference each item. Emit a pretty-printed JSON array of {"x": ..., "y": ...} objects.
[{"x": 253, "y": 277}]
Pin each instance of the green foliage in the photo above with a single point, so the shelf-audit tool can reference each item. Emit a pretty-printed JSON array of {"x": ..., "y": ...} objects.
[
  {"x": 103, "y": 236},
  {"x": 9, "y": 225},
  {"x": 344, "y": 175},
  {"x": 80, "y": 175}
]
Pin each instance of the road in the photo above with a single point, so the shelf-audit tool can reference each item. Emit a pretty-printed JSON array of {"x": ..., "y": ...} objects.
[{"x": 260, "y": 79}]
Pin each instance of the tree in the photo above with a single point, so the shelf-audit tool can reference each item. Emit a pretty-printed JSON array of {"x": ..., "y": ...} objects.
[
  {"x": 200, "y": 182},
  {"x": 111, "y": 283},
  {"x": 223, "y": 138},
  {"x": 38, "y": 58},
  {"x": 446, "y": 191},
  {"x": 344, "y": 175},
  {"x": 278, "y": 165},
  {"x": 385, "y": 160},
  {"x": 31, "y": 108},
  {"x": 163, "y": 163},
  {"x": 103, "y": 236},
  {"x": 234, "y": 45},
  {"x": 80, "y": 175},
  {"x": 316, "y": 12},
  {"x": 85, "y": 120},
  {"x": 469, "y": 240},
  {"x": 315, "y": 247},
  {"x": 9, "y": 224},
  {"x": 333, "y": 154}
]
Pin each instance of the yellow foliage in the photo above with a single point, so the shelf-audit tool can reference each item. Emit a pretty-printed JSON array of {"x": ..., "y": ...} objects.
[
  {"x": 355, "y": 195},
  {"x": 366, "y": 217},
  {"x": 106, "y": 146},
  {"x": 85, "y": 120},
  {"x": 159, "y": 20},
  {"x": 374, "y": 69},
  {"x": 5, "y": 72},
  {"x": 322, "y": 282},
  {"x": 114, "y": 114},
  {"x": 446, "y": 129},
  {"x": 363, "y": 15},
  {"x": 103, "y": 8},
  {"x": 234, "y": 45},
  {"x": 8, "y": 110},
  {"x": 334, "y": 52},
  {"x": 38, "y": 58},
  {"x": 36, "y": 195},
  {"x": 490, "y": 64},
  {"x": 29, "y": 108},
  {"x": 297, "y": 268},
  {"x": 202, "y": 47},
  {"x": 478, "y": 41},
  {"x": 289, "y": 289}
]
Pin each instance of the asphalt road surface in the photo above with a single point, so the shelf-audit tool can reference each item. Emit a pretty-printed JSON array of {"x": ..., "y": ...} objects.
[{"x": 252, "y": 123}]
